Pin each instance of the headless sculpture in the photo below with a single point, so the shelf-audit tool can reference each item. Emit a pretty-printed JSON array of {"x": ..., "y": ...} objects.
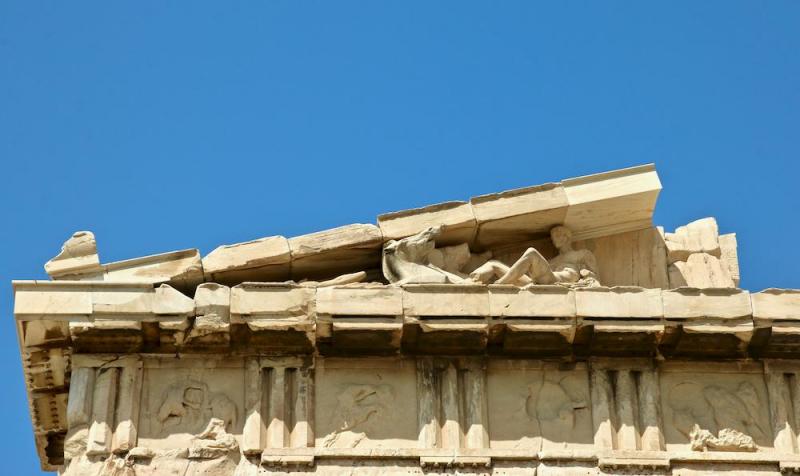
[
  {"x": 417, "y": 260},
  {"x": 569, "y": 267}
]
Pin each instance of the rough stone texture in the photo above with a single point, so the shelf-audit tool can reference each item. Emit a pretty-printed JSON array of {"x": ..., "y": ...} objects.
[
  {"x": 701, "y": 236},
  {"x": 729, "y": 255},
  {"x": 79, "y": 261},
  {"x": 695, "y": 256},
  {"x": 77, "y": 256}
]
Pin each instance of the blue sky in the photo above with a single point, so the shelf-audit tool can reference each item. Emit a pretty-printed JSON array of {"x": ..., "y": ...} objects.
[{"x": 167, "y": 125}]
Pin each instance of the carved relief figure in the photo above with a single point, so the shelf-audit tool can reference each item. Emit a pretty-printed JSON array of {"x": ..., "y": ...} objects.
[
  {"x": 716, "y": 419},
  {"x": 417, "y": 260},
  {"x": 213, "y": 442},
  {"x": 357, "y": 410},
  {"x": 189, "y": 405},
  {"x": 552, "y": 404},
  {"x": 577, "y": 268}
]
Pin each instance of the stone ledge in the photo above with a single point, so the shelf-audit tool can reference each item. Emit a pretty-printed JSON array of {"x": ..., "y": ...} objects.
[{"x": 539, "y": 320}]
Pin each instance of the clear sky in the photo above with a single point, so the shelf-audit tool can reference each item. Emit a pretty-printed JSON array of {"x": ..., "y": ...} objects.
[{"x": 171, "y": 125}]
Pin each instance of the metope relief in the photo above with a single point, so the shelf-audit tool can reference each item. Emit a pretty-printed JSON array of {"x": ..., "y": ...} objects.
[
  {"x": 716, "y": 412},
  {"x": 189, "y": 406},
  {"x": 182, "y": 407},
  {"x": 359, "y": 409},
  {"x": 365, "y": 408},
  {"x": 539, "y": 408}
]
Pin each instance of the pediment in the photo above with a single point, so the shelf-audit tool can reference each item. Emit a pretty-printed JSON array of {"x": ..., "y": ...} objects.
[{"x": 593, "y": 207}]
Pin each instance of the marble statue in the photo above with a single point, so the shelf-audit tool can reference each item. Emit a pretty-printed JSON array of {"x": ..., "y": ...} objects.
[
  {"x": 571, "y": 267},
  {"x": 416, "y": 259}
]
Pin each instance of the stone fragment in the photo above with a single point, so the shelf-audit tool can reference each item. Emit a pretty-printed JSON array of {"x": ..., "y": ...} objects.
[
  {"x": 727, "y": 439},
  {"x": 518, "y": 215},
  {"x": 181, "y": 269},
  {"x": 211, "y": 327},
  {"x": 700, "y": 236},
  {"x": 330, "y": 253},
  {"x": 457, "y": 220},
  {"x": 213, "y": 299},
  {"x": 78, "y": 256},
  {"x": 701, "y": 270},
  {"x": 265, "y": 259},
  {"x": 169, "y": 301},
  {"x": 730, "y": 256},
  {"x": 213, "y": 442}
]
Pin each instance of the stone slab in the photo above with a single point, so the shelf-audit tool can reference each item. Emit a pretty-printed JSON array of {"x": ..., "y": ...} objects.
[
  {"x": 182, "y": 269},
  {"x": 265, "y": 259},
  {"x": 535, "y": 301},
  {"x": 445, "y": 300},
  {"x": 518, "y": 215},
  {"x": 457, "y": 218},
  {"x": 620, "y": 302},
  {"x": 330, "y": 253},
  {"x": 776, "y": 304},
  {"x": 692, "y": 303},
  {"x": 360, "y": 300},
  {"x": 270, "y": 300},
  {"x": 611, "y": 202}
]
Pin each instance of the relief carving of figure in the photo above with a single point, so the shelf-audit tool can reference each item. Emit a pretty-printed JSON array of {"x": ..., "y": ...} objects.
[
  {"x": 190, "y": 406},
  {"x": 716, "y": 419},
  {"x": 570, "y": 267},
  {"x": 357, "y": 409},
  {"x": 213, "y": 442},
  {"x": 417, "y": 260},
  {"x": 552, "y": 404}
]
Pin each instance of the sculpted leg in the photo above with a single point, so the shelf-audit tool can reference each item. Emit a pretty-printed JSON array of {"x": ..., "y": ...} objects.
[
  {"x": 532, "y": 264},
  {"x": 488, "y": 271}
]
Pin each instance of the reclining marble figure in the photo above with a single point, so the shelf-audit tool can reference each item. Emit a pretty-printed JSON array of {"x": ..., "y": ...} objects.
[
  {"x": 416, "y": 259},
  {"x": 570, "y": 267}
]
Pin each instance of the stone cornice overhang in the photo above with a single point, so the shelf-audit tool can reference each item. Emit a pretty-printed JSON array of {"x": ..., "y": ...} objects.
[{"x": 57, "y": 319}]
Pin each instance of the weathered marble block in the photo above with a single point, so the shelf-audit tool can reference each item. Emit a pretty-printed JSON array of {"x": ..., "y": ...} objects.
[{"x": 457, "y": 219}]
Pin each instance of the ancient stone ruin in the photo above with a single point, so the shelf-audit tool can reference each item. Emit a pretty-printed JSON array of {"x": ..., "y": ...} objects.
[{"x": 547, "y": 330}]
